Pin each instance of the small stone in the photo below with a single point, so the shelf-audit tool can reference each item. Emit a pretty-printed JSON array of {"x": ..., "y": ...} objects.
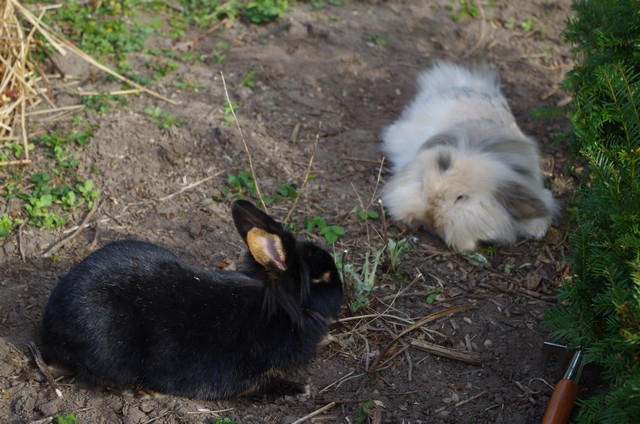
[{"x": 48, "y": 409}]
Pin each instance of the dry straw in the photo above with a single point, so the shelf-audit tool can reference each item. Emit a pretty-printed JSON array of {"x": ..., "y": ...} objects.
[{"x": 22, "y": 85}]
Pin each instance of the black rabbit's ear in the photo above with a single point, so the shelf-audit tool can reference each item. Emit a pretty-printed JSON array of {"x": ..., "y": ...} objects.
[
  {"x": 266, "y": 249},
  {"x": 246, "y": 217}
]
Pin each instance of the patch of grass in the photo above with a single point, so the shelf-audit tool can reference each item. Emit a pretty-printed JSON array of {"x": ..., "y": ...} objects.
[{"x": 110, "y": 30}]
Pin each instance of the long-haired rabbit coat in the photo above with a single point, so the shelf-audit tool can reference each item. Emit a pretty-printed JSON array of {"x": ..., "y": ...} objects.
[
  {"x": 132, "y": 314},
  {"x": 461, "y": 165}
]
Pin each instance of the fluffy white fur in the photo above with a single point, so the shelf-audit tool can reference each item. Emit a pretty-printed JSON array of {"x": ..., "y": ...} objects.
[{"x": 462, "y": 167}]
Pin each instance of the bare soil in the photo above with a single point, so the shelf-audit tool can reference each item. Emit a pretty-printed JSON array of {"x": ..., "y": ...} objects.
[{"x": 319, "y": 75}]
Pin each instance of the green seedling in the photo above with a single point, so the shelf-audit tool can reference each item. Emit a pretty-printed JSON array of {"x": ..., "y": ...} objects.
[
  {"x": 103, "y": 103},
  {"x": 162, "y": 69},
  {"x": 527, "y": 25},
  {"x": 7, "y": 224},
  {"x": 224, "y": 420},
  {"x": 264, "y": 11},
  {"x": 88, "y": 192},
  {"x": 362, "y": 281},
  {"x": 239, "y": 186},
  {"x": 162, "y": 118},
  {"x": 65, "y": 419},
  {"x": 395, "y": 249},
  {"x": 189, "y": 85},
  {"x": 368, "y": 214},
  {"x": 433, "y": 296},
  {"x": 13, "y": 151},
  {"x": 331, "y": 233},
  {"x": 227, "y": 112},
  {"x": 248, "y": 79},
  {"x": 363, "y": 418},
  {"x": 219, "y": 53},
  {"x": 376, "y": 39},
  {"x": 467, "y": 9}
]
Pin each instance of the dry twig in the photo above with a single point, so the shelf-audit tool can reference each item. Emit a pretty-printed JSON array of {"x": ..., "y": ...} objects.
[
  {"x": 37, "y": 357},
  {"x": 73, "y": 235}
]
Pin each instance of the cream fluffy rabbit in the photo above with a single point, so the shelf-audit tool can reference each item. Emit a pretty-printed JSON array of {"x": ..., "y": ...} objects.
[{"x": 461, "y": 165}]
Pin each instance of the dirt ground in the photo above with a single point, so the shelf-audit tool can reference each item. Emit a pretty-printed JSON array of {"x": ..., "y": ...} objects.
[{"x": 319, "y": 74}]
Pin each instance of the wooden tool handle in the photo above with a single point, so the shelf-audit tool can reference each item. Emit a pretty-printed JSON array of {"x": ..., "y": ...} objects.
[{"x": 561, "y": 403}]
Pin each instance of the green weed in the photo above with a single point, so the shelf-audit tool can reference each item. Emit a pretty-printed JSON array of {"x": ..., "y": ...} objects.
[
  {"x": 331, "y": 233},
  {"x": 162, "y": 118},
  {"x": 432, "y": 297},
  {"x": 66, "y": 419},
  {"x": 248, "y": 80},
  {"x": 264, "y": 11},
  {"x": 395, "y": 249},
  {"x": 365, "y": 407},
  {"x": 241, "y": 185},
  {"x": 227, "y": 112},
  {"x": 13, "y": 151},
  {"x": 361, "y": 281},
  {"x": 7, "y": 224},
  {"x": 467, "y": 9},
  {"x": 376, "y": 39},
  {"x": 368, "y": 214},
  {"x": 103, "y": 103},
  {"x": 224, "y": 420}
]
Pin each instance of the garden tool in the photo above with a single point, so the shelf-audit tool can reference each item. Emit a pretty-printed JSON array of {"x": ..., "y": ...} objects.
[{"x": 564, "y": 395}]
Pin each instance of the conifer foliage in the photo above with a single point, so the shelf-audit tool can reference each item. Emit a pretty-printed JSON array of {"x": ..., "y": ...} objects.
[{"x": 600, "y": 310}]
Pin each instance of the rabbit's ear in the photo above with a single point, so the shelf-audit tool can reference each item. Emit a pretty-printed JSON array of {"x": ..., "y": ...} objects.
[
  {"x": 246, "y": 217},
  {"x": 266, "y": 248},
  {"x": 521, "y": 202}
]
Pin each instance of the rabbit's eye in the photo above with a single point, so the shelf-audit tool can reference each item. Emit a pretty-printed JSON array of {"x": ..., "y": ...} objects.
[
  {"x": 324, "y": 278},
  {"x": 461, "y": 198}
]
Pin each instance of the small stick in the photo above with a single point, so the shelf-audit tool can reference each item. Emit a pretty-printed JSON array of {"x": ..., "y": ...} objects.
[
  {"x": 306, "y": 176},
  {"x": 20, "y": 242},
  {"x": 37, "y": 357},
  {"x": 471, "y": 399},
  {"x": 190, "y": 186},
  {"x": 314, "y": 413},
  {"x": 244, "y": 143},
  {"x": 16, "y": 162},
  {"x": 73, "y": 235},
  {"x": 58, "y": 109},
  {"x": 418, "y": 324},
  {"x": 445, "y": 352},
  {"x": 110, "y": 93}
]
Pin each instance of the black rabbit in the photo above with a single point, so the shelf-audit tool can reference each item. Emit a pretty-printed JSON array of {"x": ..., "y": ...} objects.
[{"x": 134, "y": 315}]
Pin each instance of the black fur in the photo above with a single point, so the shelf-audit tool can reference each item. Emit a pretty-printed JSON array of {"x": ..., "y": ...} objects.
[{"x": 133, "y": 314}]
